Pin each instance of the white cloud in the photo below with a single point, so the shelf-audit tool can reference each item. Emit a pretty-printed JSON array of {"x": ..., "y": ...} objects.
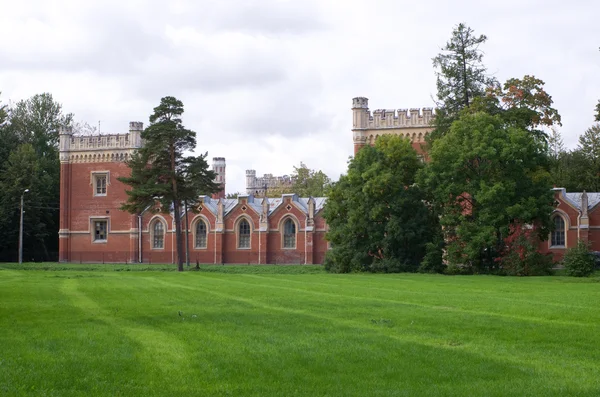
[{"x": 268, "y": 83}]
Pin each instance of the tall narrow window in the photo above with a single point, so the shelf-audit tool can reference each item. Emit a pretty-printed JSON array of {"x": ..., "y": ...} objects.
[
  {"x": 289, "y": 234},
  {"x": 158, "y": 235},
  {"x": 201, "y": 234},
  {"x": 100, "y": 229},
  {"x": 558, "y": 235},
  {"x": 100, "y": 181},
  {"x": 244, "y": 234}
]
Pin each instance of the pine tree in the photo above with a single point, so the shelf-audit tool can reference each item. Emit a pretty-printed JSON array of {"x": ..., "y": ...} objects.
[
  {"x": 461, "y": 77},
  {"x": 555, "y": 144},
  {"x": 162, "y": 176}
]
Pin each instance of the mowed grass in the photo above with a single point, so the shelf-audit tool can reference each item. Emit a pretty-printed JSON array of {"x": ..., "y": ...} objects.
[{"x": 293, "y": 331}]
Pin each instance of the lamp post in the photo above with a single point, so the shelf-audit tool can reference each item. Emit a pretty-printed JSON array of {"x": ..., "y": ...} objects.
[{"x": 21, "y": 229}]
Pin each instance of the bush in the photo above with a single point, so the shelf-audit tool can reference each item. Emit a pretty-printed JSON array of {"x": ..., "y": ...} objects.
[
  {"x": 390, "y": 265},
  {"x": 433, "y": 262},
  {"x": 341, "y": 259},
  {"x": 520, "y": 256},
  {"x": 578, "y": 262}
]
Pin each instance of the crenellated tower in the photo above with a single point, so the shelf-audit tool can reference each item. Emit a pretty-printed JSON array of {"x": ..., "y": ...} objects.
[
  {"x": 91, "y": 194},
  {"x": 259, "y": 187},
  {"x": 414, "y": 124},
  {"x": 218, "y": 167}
]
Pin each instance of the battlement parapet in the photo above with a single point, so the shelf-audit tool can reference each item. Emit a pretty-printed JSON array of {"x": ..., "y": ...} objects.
[
  {"x": 360, "y": 103},
  {"x": 70, "y": 142},
  {"x": 401, "y": 118},
  {"x": 258, "y": 185},
  {"x": 388, "y": 118},
  {"x": 136, "y": 126},
  {"x": 100, "y": 142}
]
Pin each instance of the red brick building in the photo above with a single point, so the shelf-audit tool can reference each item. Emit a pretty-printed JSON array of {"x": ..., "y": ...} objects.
[
  {"x": 247, "y": 230},
  {"x": 243, "y": 230},
  {"x": 576, "y": 217}
]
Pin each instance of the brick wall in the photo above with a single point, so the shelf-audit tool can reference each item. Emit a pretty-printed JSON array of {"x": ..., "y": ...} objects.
[{"x": 80, "y": 206}]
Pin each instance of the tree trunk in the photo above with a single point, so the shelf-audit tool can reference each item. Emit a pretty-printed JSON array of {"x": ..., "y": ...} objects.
[
  {"x": 178, "y": 240},
  {"x": 177, "y": 210}
]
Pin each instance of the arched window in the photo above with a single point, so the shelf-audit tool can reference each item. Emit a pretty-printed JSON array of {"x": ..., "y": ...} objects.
[
  {"x": 558, "y": 235},
  {"x": 201, "y": 234},
  {"x": 158, "y": 235},
  {"x": 244, "y": 234},
  {"x": 289, "y": 234}
]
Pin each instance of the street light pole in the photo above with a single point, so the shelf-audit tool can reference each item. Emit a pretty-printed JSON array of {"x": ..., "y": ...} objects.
[{"x": 21, "y": 229}]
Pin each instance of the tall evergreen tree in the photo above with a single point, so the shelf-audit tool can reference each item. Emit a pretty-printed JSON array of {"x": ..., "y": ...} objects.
[
  {"x": 461, "y": 77},
  {"x": 555, "y": 144},
  {"x": 162, "y": 176}
]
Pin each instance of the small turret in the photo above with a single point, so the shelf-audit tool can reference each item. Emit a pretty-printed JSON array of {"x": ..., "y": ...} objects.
[
  {"x": 360, "y": 110},
  {"x": 250, "y": 181},
  {"x": 135, "y": 133},
  {"x": 219, "y": 168},
  {"x": 65, "y": 133}
]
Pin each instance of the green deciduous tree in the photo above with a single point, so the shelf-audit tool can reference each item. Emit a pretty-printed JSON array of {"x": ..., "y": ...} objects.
[
  {"x": 572, "y": 172},
  {"x": 37, "y": 121},
  {"x": 305, "y": 182},
  {"x": 461, "y": 77},
  {"x": 32, "y": 122},
  {"x": 522, "y": 103},
  {"x": 162, "y": 176},
  {"x": 589, "y": 147},
  {"x": 24, "y": 170},
  {"x": 376, "y": 215},
  {"x": 486, "y": 175},
  {"x": 308, "y": 182},
  {"x": 3, "y": 114}
]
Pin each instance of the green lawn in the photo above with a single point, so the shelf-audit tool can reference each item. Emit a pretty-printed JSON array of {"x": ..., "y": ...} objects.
[{"x": 293, "y": 330}]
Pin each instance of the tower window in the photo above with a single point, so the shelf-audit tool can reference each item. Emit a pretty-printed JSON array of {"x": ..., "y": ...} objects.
[
  {"x": 100, "y": 230},
  {"x": 100, "y": 181}
]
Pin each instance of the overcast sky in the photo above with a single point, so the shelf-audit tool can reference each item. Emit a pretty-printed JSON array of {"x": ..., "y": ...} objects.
[{"x": 268, "y": 84}]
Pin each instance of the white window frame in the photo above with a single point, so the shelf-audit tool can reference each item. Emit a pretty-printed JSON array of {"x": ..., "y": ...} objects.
[
  {"x": 95, "y": 178},
  {"x": 93, "y": 222}
]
